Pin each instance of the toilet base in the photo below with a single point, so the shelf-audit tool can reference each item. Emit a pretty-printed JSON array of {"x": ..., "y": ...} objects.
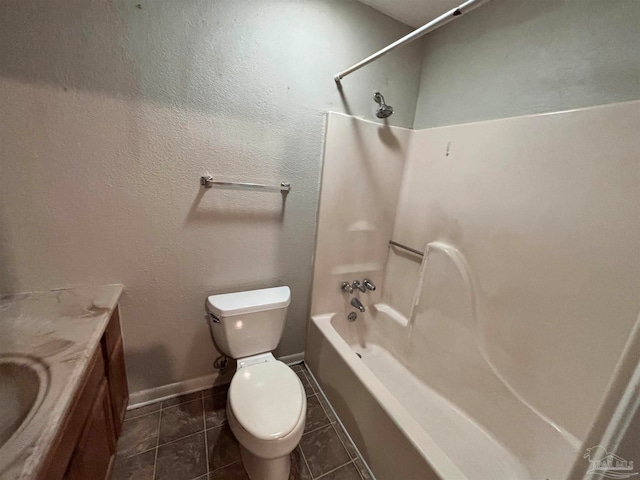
[{"x": 265, "y": 469}]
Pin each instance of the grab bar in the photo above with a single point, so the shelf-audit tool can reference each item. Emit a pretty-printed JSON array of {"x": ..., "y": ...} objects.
[
  {"x": 408, "y": 249},
  {"x": 208, "y": 182}
]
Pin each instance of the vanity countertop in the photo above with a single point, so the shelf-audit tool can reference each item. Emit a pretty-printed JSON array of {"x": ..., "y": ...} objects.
[{"x": 60, "y": 330}]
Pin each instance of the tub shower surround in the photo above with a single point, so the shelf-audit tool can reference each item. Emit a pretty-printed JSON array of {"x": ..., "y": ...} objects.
[
  {"x": 56, "y": 334},
  {"x": 491, "y": 356}
]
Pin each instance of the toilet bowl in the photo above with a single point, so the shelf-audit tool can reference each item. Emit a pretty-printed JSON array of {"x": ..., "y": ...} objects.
[
  {"x": 266, "y": 409},
  {"x": 266, "y": 404}
]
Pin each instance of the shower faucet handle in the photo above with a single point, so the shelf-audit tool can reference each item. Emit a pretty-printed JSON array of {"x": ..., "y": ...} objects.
[
  {"x": 356, "y": 284},
  {"x": 346, "y": 287},
  {"x": 368, "y": 284}
]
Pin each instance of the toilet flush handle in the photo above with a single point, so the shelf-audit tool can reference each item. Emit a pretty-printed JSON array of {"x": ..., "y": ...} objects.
[{"x": 214, "y": 319}]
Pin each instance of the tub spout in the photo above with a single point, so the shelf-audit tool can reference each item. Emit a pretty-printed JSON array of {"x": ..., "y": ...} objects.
[{"x": 357, "y": 303}]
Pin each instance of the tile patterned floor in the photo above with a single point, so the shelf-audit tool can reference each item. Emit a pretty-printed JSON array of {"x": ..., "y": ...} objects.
[{"x": 188, "y": 438}]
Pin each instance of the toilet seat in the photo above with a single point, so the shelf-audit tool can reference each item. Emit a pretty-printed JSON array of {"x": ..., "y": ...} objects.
[{"x": 267, "y": 399}]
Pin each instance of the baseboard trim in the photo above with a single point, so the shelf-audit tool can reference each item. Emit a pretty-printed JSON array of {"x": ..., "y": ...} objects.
[
  {"x": 172, "y": 390},
  {"x": 165, "y": 392},
  {"x": 292, "y": 359}
]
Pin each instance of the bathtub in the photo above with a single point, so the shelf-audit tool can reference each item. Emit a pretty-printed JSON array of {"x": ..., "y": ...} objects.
[{"x": 421, "y": 408}]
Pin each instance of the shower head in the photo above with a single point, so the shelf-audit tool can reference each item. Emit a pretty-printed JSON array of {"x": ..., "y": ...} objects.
[{"x": 384, "y": 110}]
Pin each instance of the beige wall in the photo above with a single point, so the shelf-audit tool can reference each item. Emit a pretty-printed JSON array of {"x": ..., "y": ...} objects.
[
  {"x": 110, "y": 113},
  {"x": 518, "y": 57}
]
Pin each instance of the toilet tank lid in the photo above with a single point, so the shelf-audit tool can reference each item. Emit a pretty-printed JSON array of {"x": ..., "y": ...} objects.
[{"x": 239, "y": 303}]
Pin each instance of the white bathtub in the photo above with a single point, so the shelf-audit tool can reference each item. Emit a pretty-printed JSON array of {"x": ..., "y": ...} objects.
[{"x": 420, "y": 408}]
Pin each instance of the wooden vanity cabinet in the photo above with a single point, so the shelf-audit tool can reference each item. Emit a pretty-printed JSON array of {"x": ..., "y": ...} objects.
[
  {"x": 113, "y": 352},
  {"x": 96, "y": 447},
  {"x": 86, "y": 443}
]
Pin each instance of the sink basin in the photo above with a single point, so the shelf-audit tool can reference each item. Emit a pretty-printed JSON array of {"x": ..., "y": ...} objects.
[
  {"x": 23, "y": 384},
  {"x": 19, "y": 386}
]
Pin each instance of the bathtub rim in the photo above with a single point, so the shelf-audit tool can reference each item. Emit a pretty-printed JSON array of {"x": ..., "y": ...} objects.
[{"x": 424, "y": 444}]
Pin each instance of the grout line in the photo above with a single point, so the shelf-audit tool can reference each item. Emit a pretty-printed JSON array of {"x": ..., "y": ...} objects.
[
  {"x": 225, "y": 466},
  {"x": 337, "y": 468},
  {"x": 217, "y": 426},
  {"x": 144, "y": 414},
  {"x": 360, "y": 471},
  {"x": 184, "y": 436},
  {"x": 181, "y": 404},
  {"x": 311, "y": 384},
  {"x": 206, "y": 444},
  {"x": 155, "y": 460},
  {"x": 320, "y": 428},
  {"x": 161, "y": 402},
  {"x": 181, "y": 438},
  {"x": 120, "y": 455},
  {"x": 304, "y": 459},
  {"x": 341, "y": 441},
  {"x": 323, "y": 401}
]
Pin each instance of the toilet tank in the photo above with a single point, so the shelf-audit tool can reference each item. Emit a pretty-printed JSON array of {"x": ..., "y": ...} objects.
[{"x": 248, "y": 323}]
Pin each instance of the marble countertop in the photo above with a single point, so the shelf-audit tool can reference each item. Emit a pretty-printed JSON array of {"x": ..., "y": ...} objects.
[{"x": 59, "y": 330}]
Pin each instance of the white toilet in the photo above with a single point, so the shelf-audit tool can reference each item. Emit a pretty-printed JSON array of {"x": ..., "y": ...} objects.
[{"x": 267, "y": 405}]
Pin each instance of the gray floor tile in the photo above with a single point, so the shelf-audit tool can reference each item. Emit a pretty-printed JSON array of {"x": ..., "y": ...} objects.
[
  {"x": 299, "y": 470},
  {"x": 215, "y": 410},
  {"x": 223, "y": 447},
  {"x": 348, "y": 472},
  {"x": 327, "y": 408},
  {"x": 137, "y": 467},
  {"x": 323, "y": 450},
  {"x": 181, "y": 421},
  {"x": 138, "y": 412},
  {"x": 216, "y": 390},
  {"x": 234, "y": 471},
  {"x": 345, "y": 441},
  {"x": 139, "y": 434},
  {"x": 181, "y": 399},
  {"x": 316, "y": 417},
  {"x": 184, "y": 459},
  {"x": 309, "y": 390}
]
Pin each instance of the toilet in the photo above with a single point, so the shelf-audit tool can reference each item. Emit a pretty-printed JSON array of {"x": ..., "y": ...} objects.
[{"x": 266, "y": 404}]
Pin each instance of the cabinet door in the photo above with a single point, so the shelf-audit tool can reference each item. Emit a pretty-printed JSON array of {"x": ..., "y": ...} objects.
[
  {"x": 118, "y": 386},
  {"x": 57, "y": 460},
  {"x": 93, "y": 455}
]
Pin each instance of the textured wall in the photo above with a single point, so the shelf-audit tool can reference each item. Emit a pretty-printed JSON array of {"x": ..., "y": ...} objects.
[
  {"x": 110, "y": 113},
  {"x": 515, "y": 57}
]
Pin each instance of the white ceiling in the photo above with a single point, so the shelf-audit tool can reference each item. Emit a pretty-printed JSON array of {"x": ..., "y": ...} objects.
[{"x": 413, "y": 12}]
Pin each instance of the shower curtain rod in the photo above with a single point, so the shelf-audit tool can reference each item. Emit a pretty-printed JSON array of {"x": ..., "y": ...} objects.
[{"x": 432, "y": 25}]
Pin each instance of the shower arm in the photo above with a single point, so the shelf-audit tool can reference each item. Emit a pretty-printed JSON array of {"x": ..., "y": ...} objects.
[{"x": 432, "y": 25}]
